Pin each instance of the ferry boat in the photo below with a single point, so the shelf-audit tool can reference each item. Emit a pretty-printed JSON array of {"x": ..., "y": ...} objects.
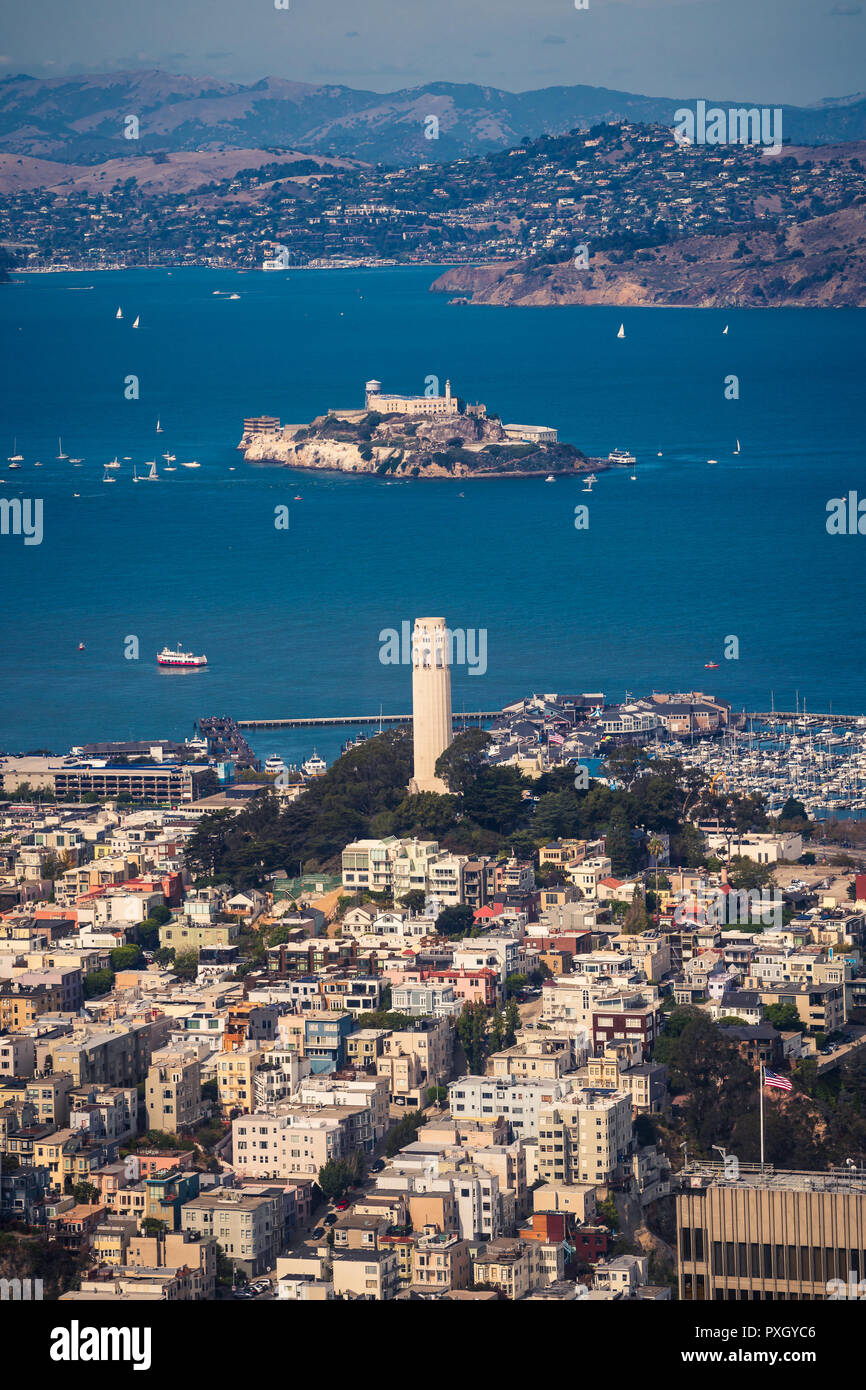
[
  {"x": 621, "y": 456},
  {"x": 170, "y": 657},
  {"x": 314, "y": 766},
  {"x": 274, "y": 765}
]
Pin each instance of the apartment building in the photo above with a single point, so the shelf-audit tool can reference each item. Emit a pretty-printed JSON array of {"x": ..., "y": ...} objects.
[
  {"x": 17, "y": 1056},
  {"x": 107, "y": 1113},
  {"x": 235, "y": 1075},
  {"x": 520, "y": 1102},
  {"x": 534, "y": 1059},
  {"x": 172, "y": 1091},
  {"x": 292, "y": 1144},
  {"x": 588, "y": 873},
  {"x": 366, "y": 1274},
  {"x": 249, "y": 1228},
  {"x": 585, "y": 1137},
  {"x": 115, "y": 1056},
  {"x": 440, "y": 1262},
  {"x": 514, "y": 1266},
  {"x": 361, "y": 1092}
]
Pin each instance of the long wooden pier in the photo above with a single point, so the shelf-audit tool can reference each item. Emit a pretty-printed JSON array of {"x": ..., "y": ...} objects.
[
  {"x": 479, "y": 716},
  {"x": 336, "y": 720}
]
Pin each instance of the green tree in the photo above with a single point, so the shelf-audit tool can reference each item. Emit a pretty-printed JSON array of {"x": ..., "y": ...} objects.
[
  {"x": 455, "y": 921},
  {"x": 185, "y": 964},
  {"x": 620, "y": 847},
  {"x": 463, "y": 759},
  {"x": 746, "y": 874},
  {"x": 514, "y": 983},
  {"x": 636, "y": 919},
  {"x": 126, "y": 958},
  {"x": 335, "y": 1177},
  {"x": 97, "y": 982},
  {"x": 784, "y": 1017},
  {"x": 414, "y": 900},
  {"x": 403, "y": 1133}
]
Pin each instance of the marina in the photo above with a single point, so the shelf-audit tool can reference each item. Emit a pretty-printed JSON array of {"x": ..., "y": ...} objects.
[{"x": 819, "y": 761}]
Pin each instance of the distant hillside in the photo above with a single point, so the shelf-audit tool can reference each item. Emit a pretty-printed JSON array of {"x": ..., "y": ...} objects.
[
  {"x": 817, "y": 264},
  {"x": 81, "y": 119},
  {"x": 172, "y": 173}
]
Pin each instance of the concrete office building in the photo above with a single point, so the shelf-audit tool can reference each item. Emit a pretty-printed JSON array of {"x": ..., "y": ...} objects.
[{"x": 769, "y": 1235}]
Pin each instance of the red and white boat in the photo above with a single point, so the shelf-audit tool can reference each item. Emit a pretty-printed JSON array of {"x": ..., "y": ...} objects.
[{"x": 170, "y": 657}]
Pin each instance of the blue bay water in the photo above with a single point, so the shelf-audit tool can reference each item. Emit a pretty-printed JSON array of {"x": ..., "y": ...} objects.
[{"x": 671, "y": 564}]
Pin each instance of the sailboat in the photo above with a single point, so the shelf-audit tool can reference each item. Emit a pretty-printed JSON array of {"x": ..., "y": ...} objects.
[
  {"x": 158, "y": 426},
  {"x": 621, "y": 333},
  {"x": 135, "y": 321},
  {"x": 15, "y": 459},
  {"x": 724, "y": 330},
  {"x": 106, "y": 476},
  {"x": 633, "y": 475},
  {"x": 169, "y": 458},
  {"x": 115, "y": 462},
  {"x": 60, "y": 453},
  {"x": 119, "y": 314},
  {"x": 152, "y": 476},
  {"x": 737, "y": 450}
]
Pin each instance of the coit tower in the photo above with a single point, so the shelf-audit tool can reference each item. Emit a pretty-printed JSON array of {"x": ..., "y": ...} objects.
[{"x": 431, "y": 701}]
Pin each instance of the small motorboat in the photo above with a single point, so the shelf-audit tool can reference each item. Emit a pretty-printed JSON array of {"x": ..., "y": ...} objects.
[
  {"x": 711, "y": 666},
  {"x": 81, "y": 647}
]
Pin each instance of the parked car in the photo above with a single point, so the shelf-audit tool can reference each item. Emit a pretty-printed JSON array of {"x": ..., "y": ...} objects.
[
  {"x": 318, "y": 1232},
  {"x": 330, "y": 1219},
  {"x": 378, "y": 1166},
  {"x": 342, "y": 1205}
]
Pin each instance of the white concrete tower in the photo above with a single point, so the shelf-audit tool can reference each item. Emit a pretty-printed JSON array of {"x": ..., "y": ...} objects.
[{"x": 431, "y": 701}]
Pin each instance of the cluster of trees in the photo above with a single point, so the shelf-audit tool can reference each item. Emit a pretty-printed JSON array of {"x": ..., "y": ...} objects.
[
  {"x": 339, "y": 1174},
  {"x": 822, "y": 1122},
  {"x": 481, "y": 1030},
  {"x": 404, "y": 1132}
]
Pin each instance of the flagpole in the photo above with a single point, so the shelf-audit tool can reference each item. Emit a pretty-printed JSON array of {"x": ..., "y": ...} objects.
[{"x": 761, "y": 1096}]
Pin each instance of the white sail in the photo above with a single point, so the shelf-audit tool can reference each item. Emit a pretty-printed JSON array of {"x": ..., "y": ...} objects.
[
  {"x": 621, "y": 333},
  {"x": 119, "y": 314},
  {"x": 135, "y": 321}
]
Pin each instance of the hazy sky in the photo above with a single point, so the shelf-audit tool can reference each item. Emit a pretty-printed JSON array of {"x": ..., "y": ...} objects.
[{"x": 767, "y": 50}]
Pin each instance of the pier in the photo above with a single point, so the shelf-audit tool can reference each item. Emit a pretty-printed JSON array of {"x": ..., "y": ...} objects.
[{"x": 336, "y": 720}]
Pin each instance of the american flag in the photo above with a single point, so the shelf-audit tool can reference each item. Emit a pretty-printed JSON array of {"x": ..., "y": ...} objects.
[
  {"x": 781, "y": 1083},
  {"x": 555, "y": 738}
]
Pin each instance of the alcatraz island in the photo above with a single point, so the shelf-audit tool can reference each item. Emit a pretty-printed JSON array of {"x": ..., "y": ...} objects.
[{"x": 428, "y": 436}]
